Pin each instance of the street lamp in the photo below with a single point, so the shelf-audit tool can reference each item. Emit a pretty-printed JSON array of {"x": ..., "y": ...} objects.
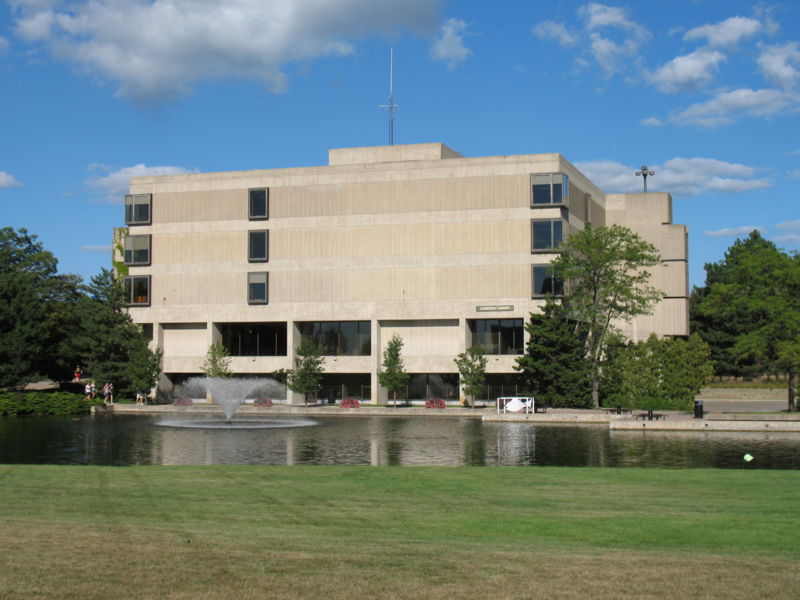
[{"x": 644, "y": 173}]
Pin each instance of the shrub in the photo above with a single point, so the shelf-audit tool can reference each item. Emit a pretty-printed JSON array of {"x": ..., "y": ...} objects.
[
  {"x": 435, "y": 403},
  {"x": 263, "y": 402},
  {"x": 44, "y": 403},
  {"x": 182, "y": 402},
  {"x": 349, "y": 403}
]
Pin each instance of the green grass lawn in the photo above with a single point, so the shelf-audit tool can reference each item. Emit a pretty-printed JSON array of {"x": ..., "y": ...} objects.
[{"x": 366, "y": 532}]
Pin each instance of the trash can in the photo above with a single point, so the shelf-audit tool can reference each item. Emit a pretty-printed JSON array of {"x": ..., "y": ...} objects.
[{"x": 698, "y": 409}]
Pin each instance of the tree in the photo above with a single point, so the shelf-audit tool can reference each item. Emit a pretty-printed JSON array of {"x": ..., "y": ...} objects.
[
  {"x": 217, "y": 362},
  {"x": 307, "y": 373},
  {"x": 36, "y": 311},
  {"x": 606, "y": 278},
  {"x": 661, "y": 374},
  {"x": 472, "y": 371},
  {"x": 554, "y": 368},
  {"x": 393, "y": 376},
  {"x": 110, "y": 345},
  {"x": 750, "y": 306}
]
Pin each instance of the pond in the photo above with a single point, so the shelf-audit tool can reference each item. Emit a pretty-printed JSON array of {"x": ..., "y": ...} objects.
[{"x": 376, "y": 440}]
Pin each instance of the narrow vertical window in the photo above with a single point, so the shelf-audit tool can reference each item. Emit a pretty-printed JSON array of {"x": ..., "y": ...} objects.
[
  {"x": 258, "y": 246},
  {"x": 258, "y": 205},
  {"x": 137, "y": 209},
  {"x": 136, "y": 249},
  {"x": 545, "y": 282},
  {"x": 258, "y": 288},
  {"x": 546, "y": 234}
]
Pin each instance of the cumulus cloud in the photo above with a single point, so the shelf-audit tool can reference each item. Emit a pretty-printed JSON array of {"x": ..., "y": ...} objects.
[
  {"x": 115, "y": 185},
  {"x": 789, "y": 238},
  {"x": 550, "y": 30},
  {"x": 726, "y": 33},
  {"x": 733, "y": 231},
  {"x": 7, "y": 180},
  {"x": 779, "y": 64},
  {"x": 726, "y": 107},
  {"x": 612, "y": 53},
  {"x": 156, "y": 51},
  {"x": 688, "y": 72},
  {"x": 678, "y": 176},
  {"x": 789, "y": 226},
  {"x": 651, "y": 122},
  {"x": 449, "y": 46}
]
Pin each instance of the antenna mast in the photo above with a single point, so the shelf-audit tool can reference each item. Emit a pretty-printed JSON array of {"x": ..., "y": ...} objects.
[{"x": 391, "y": 106}]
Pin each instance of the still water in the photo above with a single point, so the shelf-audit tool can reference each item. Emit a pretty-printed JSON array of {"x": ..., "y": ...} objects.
[{"x": 139, "y": 440}]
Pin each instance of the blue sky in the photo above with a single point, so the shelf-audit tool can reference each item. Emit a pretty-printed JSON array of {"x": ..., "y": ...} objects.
[{"x": 705, "y": 92}]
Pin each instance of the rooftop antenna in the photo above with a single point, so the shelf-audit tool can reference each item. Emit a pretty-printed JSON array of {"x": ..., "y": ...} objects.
[{"x": 391, "y": 106}]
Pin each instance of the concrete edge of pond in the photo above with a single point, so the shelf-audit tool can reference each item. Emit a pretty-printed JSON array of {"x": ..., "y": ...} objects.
[{"x": 673, "y": 422}]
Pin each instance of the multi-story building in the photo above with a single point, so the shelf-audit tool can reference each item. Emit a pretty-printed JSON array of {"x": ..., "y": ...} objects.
[{"x": 409, "y": 240}]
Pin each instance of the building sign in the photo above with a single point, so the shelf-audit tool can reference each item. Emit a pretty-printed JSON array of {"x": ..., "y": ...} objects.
[{"x": 495, "y": 308}]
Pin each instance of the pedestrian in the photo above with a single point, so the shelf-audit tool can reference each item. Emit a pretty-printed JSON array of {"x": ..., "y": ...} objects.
[
  {"x": 139, "y": 398},
  {"x": 93, "y": 390},
  {"x": 78, "y": 372},
  {"x": 87, "y": 390},
  {"x": 108, "y": 393},
  {"x": 111, "y": 392}
]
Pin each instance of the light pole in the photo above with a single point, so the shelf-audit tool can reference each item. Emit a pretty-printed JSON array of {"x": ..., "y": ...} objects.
[{"x": 644, "y": 173}]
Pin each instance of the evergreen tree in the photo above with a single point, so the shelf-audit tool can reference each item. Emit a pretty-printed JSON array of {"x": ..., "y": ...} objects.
[
  {"x": 472, "y": 371},
  {"x": 554, "y": 368},
  {"x": 393, "y": 376},
  {"x": 308, "y": 369}
]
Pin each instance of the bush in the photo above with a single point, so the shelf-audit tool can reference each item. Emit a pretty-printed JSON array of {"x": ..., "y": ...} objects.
[
  {"x": 263, "y": 402},
  {"x": 435, "y": 403},
  {"x": 182, "y": 402},
  {"x": 349, "y": 403},
  {"x": 44, "y": 403}
]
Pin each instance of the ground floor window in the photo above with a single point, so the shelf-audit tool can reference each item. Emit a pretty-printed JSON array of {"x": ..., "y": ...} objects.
[
  {"x": 338, "y": 338},
  {"x": 422, "y": 386},
  {"x": 501, "y": 384},
  {"x": 335, "y": 386},
  {"x": 254, "y": 339}
]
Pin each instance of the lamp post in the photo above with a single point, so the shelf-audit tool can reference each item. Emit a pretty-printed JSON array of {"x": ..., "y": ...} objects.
[{"x": 644, "y": 173}]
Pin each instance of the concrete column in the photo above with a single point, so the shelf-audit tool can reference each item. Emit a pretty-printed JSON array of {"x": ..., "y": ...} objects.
[{"x": 292, "y": 342}]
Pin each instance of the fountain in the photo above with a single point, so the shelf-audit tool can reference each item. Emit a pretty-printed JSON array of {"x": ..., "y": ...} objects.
[{"x": 229, "y": 394}]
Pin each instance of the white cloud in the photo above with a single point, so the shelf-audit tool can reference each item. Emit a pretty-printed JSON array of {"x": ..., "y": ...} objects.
[
  {"x": 791, "y": 238},
  {"x": 7, "y": 180},
  {"x": 156, "y": 51},
  {"x": 93, "y": 248},
  {"x": 599, "y": 15},
  {"x": 688, "y": 72},
  {"x": 777, "y": 64},
  {"x": 550, "y": 30},
  {"x": 449, "y": 46},
  {"x": 678, "y": 176},
  {"x": 725, "y": 107},
  {"x": 734, "y": 231},
  {"x": 612, "y": 54},
  {"x": 788, "y": 226},
  {"x": 115, "y": 185},
  {"x": 651, "y": 122},
  {"x": 725, "y": 33}
]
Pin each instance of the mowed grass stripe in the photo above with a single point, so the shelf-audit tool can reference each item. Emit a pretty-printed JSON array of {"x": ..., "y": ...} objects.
[{"x": 350, "y": 532}]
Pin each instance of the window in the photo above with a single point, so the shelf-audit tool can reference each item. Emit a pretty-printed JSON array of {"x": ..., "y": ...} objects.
[
  {"x": 258, "y": 246},
  {"x": 257, "y": 288},
  {"x": 137, "y": 290},
  {"x": 546, "y": 234},
  {"x": 137, "y": 209},
  {"x": 136, "y": 249},
  {"x": 339, "y": 338},
  {"x": 254, "y": 339},
  {"x": 497, "y": 336},
  {"x": 549, "y": 188},
  {"x": 544, "y": 282},
  {"x": 258, "y": 208}
]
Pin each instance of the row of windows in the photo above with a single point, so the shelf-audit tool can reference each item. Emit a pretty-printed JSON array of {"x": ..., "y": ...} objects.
[
  {"x": 138, "y": 207},
  {"x": 137, "y": 252},
  {"x": 137, "y": 289}
]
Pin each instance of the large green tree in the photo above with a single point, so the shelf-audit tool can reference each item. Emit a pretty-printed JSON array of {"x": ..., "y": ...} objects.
[
  {"x": 605, "y": 270},
  {"x": 393, "y": 375},
  {"x": 555, "y": 368},
  {"x": 749, "y": 311},
  {"x": 308, "y": 369},
  {"x": 112, "y": 347},
  {"x": 36, "y": 311}
]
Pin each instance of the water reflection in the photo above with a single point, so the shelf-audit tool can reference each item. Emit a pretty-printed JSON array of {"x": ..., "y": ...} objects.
[{"x": 134, "y": 440}]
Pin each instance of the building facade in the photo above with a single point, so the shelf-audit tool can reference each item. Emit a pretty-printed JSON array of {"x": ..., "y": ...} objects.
[{"x": 410, "y": 240}]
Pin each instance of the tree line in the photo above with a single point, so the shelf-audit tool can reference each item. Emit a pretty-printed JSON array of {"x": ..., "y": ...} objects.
[{"x": 51, "y": 322}]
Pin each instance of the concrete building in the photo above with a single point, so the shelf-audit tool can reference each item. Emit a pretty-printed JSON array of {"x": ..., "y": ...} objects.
[{"x": 414, "y": 240}]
